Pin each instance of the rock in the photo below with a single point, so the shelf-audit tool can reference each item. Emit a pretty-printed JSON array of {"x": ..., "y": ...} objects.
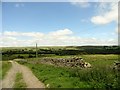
[
  {"x": 117, "y": 65},
  {"x": 48, "y": 85},
  {"x": 69, "y": 62},
  {"x": 87, "y": 65}
]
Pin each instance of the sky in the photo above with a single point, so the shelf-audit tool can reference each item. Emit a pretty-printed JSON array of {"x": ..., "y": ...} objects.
[{"x": 59, "y": 23}]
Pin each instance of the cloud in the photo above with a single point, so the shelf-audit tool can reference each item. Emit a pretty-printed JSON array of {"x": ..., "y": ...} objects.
[
  {"x": 108, "y": 15},
  {"x": 33, "y": 34},
  {"x": 84, "y": 20},
  {"x": 29, "y": 34},
  {"x": 19, "y": 5},
  {"x": 64, "y": 37},
  {"x": 81, "y": 3},
  {"x": 61, "y": 32},
  {"x": 16, "y": 5},
  {"x": 11, "y": 33},
  {"x": 117, "y": 29}
]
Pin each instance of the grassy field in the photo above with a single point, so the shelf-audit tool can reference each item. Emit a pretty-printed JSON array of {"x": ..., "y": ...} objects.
[
  {"x": 19, "y": 82},
  {"x": 101, "y": 75},
  {"x": 100, "y": 60},
  {"x": 0, "y": 70},
  {"x": 5, "y": 67}
]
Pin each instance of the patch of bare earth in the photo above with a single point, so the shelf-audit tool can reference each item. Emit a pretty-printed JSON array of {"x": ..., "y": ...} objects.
[{"x": 29, "y": 78}]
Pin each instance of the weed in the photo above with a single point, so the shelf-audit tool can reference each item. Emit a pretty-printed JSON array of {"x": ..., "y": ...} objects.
[
  {"x": 5, "y": 67},
  {"x": 19, "y": 82}
]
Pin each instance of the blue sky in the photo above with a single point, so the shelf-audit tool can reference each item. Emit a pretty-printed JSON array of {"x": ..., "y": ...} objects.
[
  {"x": 59, "y": 23},
  {"x": 39, "y": 15}
]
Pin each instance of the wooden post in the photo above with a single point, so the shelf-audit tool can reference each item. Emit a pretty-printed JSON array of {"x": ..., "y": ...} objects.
[{"x": 36, "y": 51}]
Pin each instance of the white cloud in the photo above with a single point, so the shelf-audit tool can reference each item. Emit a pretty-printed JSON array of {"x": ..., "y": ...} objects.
[
  {"x": 81, "y": 3},
  {"x": 61, "y": 32},
  {"x": 33, "y": 34},
  {"x": 117, "y": 29},
  {"x": 109, "y": 14},
  {"x": 16, "y": 5},
  {"x": 63, "y": 37},
  {"x": 19, "y": 5},
  {"x": 85, "y": 20},
  {"x": 30, "y": 34},
  {"x": 11, "y": 33},
  {"x": 57, "y": 0}
]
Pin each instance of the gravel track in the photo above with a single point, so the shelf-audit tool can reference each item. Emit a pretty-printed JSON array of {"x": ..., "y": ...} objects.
[{"x": 29, "y": 78}]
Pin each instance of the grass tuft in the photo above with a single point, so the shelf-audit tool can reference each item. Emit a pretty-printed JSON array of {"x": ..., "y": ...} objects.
[
  {"x": 5, "y": 68},
  {"x": 19, "y": 82}
]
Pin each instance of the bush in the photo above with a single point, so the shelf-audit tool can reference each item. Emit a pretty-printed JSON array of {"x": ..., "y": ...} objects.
[{"x": 97, "y": 77}]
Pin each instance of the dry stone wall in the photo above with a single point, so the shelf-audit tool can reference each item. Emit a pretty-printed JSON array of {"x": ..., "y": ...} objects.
[{"x": 67, "y": 62}]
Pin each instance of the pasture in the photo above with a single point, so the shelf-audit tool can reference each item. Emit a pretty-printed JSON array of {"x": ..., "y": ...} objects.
[
  {"x": 101, "y": 75},
  {"x": 101, "y": 58}
]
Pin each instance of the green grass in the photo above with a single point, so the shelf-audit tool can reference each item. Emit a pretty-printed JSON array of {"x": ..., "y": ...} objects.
[
  {"x": 59, "y": 77},
  {"x": 100, "y": 60},
  {"x": 19, "y": 82},
  {"x": 55, "y": 76},
  {"x": 5, "y": 67},
  {"x": 101, "y": 75},
  {"x": 0, "y": 70}
]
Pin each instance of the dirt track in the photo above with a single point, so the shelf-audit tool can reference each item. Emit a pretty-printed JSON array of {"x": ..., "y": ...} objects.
[{"x": 29, "y": 78}]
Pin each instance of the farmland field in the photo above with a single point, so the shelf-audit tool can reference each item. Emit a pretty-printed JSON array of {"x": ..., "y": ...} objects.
[
  {"x": 51, "y": 45},
  {"x": 100, "y": 75}
]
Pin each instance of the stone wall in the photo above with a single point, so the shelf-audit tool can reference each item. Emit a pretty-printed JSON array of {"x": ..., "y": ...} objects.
[{"x": 69, "y": 62}]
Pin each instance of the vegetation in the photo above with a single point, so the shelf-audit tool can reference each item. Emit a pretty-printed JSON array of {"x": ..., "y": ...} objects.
[
  {"x": 0, "y": 70},
  {"x": 101, "y": 75},
  {"x": 29, "y": 52},
  {"x": 19, "y": 82},
  {"x": 5, "y": 67}
]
